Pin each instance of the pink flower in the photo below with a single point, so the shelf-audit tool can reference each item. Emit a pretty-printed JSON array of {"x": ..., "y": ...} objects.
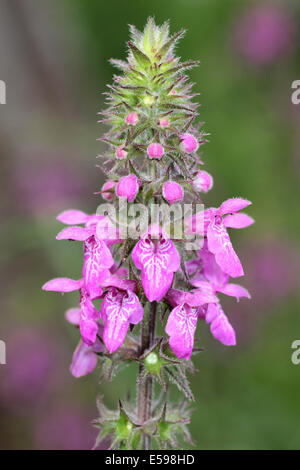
[
  {"x": 172, "y": 192},
  {"x": 218, "y": 240},
  {"x": 205, "y": 268},
  {"x": 181, "y": 327},
  {"x": 128, "y": 187},
  {"x": 182, "y": 321},
  {"x": 158, "y": 259},
  {"x": 155, "y": 150},
  {"x": 203, "y": 182},
  {"x": 118, "y": 310},
  {"x": 189, "y": 143},
  {"x": 96, "y": 263},
  {"x": 164, "y": 122},
  {"x": 132, "y": 118},
  {"x": 84, "y": 360},
  {"x": 121, "y": 153},
  {"x": 220, "y": 327},
  {"x": 105, "y": 191}
]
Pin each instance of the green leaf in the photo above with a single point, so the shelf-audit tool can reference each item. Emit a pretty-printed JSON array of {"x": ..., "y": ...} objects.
[
  {"x": 170, "y": 44},
  {"x": 139, "y": 56}
]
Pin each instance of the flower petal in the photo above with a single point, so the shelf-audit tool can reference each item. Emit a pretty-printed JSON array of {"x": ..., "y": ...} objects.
[
  {"x": 74, "y": 233},
  {"x": 84, "y": 360},
  {"x": 118, "y": 309},
  {"x": 211, "y": 270},
  {"x": 156, "y": 281},
  {"x": 219, "y": 243},
  {"x": 233, "y": 205},
  {"x": 72, "y": 315},
  {"x": 158, "y": 262},
  {"x": 204, "y": 294},
  {"x": 234, "y": 290},
  {"x": 220, "y": 327},
  {"x": 116, "y": 322},
  {"x": 238, "y": 220},
  {"x": 97, "y": 261},
  {"x": 62, "y": 284},
  {"x": 181, "y": 327},
  {"x": 114, "y": 281},
  {"x": 88, "y": 330},
  {"x": 72, "y": 217}
]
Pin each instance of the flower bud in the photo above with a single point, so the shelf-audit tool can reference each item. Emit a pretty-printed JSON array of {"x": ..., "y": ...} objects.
[
  {"x": 148, "y": 100},
  {"x": 132, "y": 118},
  {"x": 164, "y": 122},
  {"x": 108, "y": 196},
  {"x": 153, "y": 363},
  {"x": 172, "y": 192},
  {"x": 121, "y": 153},
  {"x": 128, "y": 187},
  {"x": 155, "y": 151},
  {"x": 189, "y": 143},
  {"x": 203, "y": 182}
]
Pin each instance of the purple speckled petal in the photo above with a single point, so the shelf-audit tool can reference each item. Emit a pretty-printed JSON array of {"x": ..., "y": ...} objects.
[
  {"x": 62, "y": 284},
  {"x": 72, "y": 217},
  {"x": 158, "y": 261},
  {"x": 118, "y": 309},
  {"x": 220, "y": 245},
  {"x": 181, "y": 327},
  {"x": 97, "y": 261},
  {"x": 84, "y": 360},
  {"x": 156, "y": 282},
  {"x": 74, "y": 233}
]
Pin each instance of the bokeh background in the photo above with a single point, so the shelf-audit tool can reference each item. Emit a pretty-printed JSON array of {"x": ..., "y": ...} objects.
[{"x": 54, "y": 60}]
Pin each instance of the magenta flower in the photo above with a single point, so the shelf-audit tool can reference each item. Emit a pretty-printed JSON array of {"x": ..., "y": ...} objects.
[
  {"x": 182, "y": 321},
  {"x": 189, "y": 143},
  {"x": 218, "y": 240},
  {"x": 96, "y": 264},
  {"x": 128, "y": 187},
  {"x": 203, "y": 182},
  {"x": 172, "y": 192},
  {"x": 181, "y": 327},
  {"x": 220, "y": 327},
  {"x": 85, "y": 359},
  {"x": 118, "y": 310},
  {"x": 89, "y": 318},
  {"x": 158, "y": 259},
  {"x": 205, "y": 268},
  {"x": 155, "y": 151}
]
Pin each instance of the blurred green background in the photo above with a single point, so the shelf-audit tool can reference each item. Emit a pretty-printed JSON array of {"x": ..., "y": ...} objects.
[{"x": 54, "y": 60}]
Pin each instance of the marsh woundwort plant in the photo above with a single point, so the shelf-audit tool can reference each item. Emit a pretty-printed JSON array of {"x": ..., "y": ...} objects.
[{"x": 151, "y": 280}]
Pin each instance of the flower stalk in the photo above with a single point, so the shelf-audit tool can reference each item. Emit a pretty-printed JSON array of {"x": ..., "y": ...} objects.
[{"x": 152, "y": 160}]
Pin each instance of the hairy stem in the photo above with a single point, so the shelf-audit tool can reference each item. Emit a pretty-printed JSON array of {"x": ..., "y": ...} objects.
[{"x": 145, "y": 389}]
